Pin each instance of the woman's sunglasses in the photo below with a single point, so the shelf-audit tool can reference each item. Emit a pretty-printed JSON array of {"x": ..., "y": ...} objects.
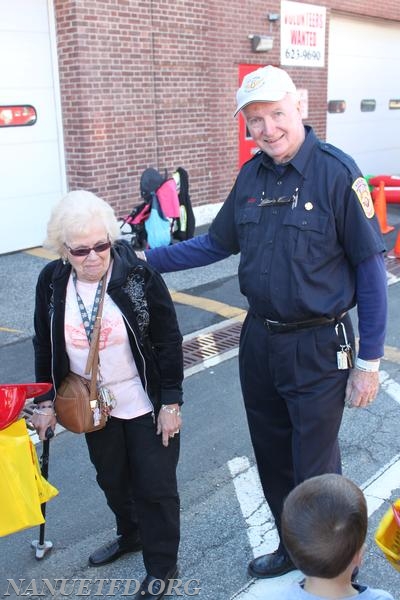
[{"x": 100, "y": 247}]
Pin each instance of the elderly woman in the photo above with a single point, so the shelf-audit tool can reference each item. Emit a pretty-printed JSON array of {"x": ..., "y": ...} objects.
[{"x": 140, "y": 366}]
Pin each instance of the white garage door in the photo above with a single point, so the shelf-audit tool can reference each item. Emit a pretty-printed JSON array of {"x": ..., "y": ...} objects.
[
  {"x": 32, "y": 173},
  {"x": 364, "y": 68}
]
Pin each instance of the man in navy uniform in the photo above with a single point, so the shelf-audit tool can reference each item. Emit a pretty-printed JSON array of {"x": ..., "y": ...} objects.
[{"x": 300, "y": 214}]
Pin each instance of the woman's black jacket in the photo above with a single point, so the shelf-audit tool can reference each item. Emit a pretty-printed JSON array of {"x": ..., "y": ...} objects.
[{"x": 148, "y": 313}]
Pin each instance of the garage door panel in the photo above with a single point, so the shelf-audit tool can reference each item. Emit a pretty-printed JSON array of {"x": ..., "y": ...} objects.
[
  {"x": 23, "y": 15},
  {"x": 25, "y": 60},
  {"x": 363, "y": 64},
  {"x": 377, "y": 151},
  {"x": 19, "y": 225},
  {"x": 32, "y": 171},
  {"x": 20, "y": 174}
]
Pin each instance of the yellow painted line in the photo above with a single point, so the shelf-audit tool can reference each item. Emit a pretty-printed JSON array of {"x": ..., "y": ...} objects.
[
  {"x": 219, "y": 308},
  {"x": 392, "y": 354},
  {"x": 42, "y": 253},
  {"x": 10, "y": 330}
]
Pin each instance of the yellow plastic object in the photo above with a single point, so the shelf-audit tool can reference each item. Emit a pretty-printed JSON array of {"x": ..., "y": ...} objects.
[
  {"x": 387, "y": 535},
  {"x": 45, "y": 490},
  {"x": 22, "y": 487}
]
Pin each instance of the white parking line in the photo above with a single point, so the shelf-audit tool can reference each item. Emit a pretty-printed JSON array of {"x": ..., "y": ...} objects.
[
  {"x": 392, "y": 279},
  {"x": 390, "y": 387},
  {"x": 261, "y": 529},
  {"x": 378, "y": 489},
  {"x": 260, "y": 523}
]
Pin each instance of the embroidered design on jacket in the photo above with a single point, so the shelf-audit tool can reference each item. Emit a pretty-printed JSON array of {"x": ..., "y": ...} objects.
[
  {"x": 134, "y": 288},
  {"x": 51, "y": 302}
]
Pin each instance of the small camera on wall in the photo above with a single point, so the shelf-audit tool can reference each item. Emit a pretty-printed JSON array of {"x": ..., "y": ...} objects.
[{"x": 261, "y": 43}]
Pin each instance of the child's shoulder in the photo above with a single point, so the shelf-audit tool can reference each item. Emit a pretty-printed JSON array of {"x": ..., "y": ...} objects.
[
  {"x": 367, "y": 593},
  {"x": 293, "y": 591}
]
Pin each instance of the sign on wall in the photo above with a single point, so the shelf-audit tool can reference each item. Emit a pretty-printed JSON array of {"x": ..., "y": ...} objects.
[
  {"x": 303, "y": 97},
  {"x": 302, "y": 34}
]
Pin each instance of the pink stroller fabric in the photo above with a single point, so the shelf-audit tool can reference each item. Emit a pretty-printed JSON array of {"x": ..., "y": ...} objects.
[
  {"x": 138, "y": 215},
  {"x": 167, "y": 195}
]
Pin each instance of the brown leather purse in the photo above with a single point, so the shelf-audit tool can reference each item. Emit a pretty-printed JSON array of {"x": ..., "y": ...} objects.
[{"x": 77, "y": 404}]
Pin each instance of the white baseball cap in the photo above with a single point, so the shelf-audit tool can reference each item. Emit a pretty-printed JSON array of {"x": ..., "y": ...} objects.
[{"x": 267, "y": 84}]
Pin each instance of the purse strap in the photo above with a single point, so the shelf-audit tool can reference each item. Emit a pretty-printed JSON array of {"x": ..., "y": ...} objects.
[{"x": 92, "y": 363}]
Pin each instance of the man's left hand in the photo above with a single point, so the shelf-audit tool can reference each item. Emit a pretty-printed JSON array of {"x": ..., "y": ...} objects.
[{"x": 362, "y": 388}]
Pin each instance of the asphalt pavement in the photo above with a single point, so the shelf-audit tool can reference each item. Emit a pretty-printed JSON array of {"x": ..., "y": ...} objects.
[{"x": 217, "y": 532}]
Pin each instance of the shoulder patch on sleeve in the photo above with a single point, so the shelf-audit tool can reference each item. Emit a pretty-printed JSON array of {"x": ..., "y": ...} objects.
[{"x": 361, "y": 189}]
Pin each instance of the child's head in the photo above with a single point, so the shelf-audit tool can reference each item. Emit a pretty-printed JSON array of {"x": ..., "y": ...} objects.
[{"x": 324, "y": 525}]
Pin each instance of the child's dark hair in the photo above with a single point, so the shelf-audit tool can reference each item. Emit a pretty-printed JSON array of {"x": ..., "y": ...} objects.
[{"x": 324, "y": 524}]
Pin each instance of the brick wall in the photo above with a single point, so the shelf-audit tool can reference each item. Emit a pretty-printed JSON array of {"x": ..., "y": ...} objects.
[{"x": 153, "y": 84}]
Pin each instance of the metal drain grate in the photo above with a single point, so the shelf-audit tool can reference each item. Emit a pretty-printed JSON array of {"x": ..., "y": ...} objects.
[
  {"x": 392, "y": 267},
  {"x": 208, "y": 345}
]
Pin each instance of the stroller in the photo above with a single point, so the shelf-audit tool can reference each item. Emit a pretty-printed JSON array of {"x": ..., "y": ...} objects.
[
  {"x": 164, "y": 215},
  {"x": 133, "y": 225}
]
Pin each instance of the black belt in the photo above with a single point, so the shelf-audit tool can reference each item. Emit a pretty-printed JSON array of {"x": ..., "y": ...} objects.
[{"x": 278, "y": 327}]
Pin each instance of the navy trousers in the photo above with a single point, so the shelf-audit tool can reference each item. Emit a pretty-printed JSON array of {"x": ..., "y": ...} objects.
[
  {"x": 294, "y": 399},
  {"x": 138, "y": 477}
]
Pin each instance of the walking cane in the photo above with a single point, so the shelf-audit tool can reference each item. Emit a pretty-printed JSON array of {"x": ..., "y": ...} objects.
[{"x": 41, "y": 546}]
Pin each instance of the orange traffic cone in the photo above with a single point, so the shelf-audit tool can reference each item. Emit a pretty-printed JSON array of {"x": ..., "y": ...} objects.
[
  {"x": 395, "y": 253},
  {"x": 380, "y": 208}
]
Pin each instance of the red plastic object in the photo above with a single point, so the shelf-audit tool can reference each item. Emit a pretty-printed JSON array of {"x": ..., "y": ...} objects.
[
  {"x": 388, "y": 180},
  {"x": 392, "y": 187},
  {"x": 13, "y": 397},
  {"x": 393, "y": 196}
]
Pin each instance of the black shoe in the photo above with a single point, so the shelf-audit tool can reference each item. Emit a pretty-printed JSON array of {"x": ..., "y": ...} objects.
[
  {"x": 114, "y": 549},
  {"x": 153, "y": 588},
  {"x": 271, "y": 565}
]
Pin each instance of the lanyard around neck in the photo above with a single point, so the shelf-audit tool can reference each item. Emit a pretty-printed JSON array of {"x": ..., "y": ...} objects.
[{"x": 88, "y": 323}]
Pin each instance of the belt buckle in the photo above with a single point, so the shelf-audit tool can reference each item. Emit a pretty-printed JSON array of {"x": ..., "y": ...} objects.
[{"x": 271, "y": 325}]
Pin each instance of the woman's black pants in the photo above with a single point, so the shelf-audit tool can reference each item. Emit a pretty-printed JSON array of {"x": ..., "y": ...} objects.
[{"x": 138, "y": 477}]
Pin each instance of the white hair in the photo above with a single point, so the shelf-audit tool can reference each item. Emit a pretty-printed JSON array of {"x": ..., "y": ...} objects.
[{"x": 74, "y": 214}]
